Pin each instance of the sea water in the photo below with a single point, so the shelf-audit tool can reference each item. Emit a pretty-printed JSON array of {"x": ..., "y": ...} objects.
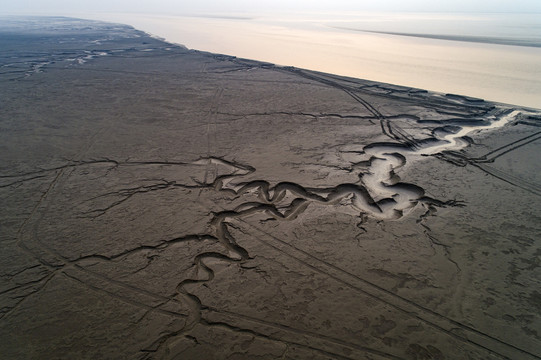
[{"x": 491, "y": 56}]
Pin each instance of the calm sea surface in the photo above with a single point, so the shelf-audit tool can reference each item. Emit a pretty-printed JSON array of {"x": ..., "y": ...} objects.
[{"x": 492, "y": 56}]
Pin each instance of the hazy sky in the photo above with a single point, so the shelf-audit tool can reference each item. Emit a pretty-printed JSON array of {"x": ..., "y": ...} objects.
[{"x": 191, "y": 6}]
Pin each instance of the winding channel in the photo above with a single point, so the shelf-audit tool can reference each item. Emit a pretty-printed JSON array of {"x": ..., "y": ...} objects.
[{"x": 379, "y": 194}]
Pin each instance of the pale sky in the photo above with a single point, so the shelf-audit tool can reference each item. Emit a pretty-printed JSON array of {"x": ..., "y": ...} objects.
[{"x": 171, "y": 7}]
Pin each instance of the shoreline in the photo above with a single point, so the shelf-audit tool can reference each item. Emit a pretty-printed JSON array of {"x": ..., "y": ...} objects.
[
  {"x": 160, "y": 202},
  {"x": 458, "y": 96},
  {"x": 465, "y": 68},
  {"x": 485, "y": 73}
]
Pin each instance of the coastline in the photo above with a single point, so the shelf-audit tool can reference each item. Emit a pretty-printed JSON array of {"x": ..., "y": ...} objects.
[
  {"x": 162, "y": 202},
  {"x": 482, "y": 70}
]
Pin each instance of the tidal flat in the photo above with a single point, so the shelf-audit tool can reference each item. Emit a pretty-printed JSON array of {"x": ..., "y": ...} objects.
[{"x": 166, "y": 203}]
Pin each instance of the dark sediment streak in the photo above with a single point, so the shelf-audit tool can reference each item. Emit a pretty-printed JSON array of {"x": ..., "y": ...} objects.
[{"x": 464, "y": 38}]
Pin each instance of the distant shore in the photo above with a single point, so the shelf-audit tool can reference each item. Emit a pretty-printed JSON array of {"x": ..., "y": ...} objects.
[{"x": 463, "y": 38}]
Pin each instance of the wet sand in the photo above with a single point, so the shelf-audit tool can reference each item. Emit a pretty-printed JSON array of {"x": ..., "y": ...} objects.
[{"x": 165, "y": 203}]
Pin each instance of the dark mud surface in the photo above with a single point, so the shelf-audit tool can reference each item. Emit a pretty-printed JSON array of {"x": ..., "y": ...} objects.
[{"x": 165, "y": 203}]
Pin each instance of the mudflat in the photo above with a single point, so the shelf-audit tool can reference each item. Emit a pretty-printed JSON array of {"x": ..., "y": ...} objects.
[{"x": 166, "y": 203}]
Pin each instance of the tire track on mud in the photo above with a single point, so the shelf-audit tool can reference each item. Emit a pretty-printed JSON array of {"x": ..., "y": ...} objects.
[
  {"x": 433, "y": 319},
  {"x": 270, "y": 196},
  {"x": 380, "y": 194},
  {"x": 481, "y": 162},
  {"x": 212, "y": 129},
  {"x": 42, "y": 253},
  {"x": 284, "y": 333},
  {"x": 335, "y": 85},
  {"x": 510, "y": 179},
  {"x": 384, "y": 159}
]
